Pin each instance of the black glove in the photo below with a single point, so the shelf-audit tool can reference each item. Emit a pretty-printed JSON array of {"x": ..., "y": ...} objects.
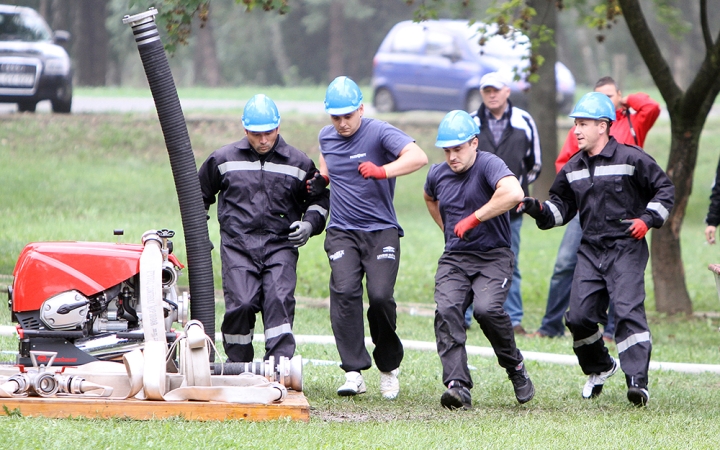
[
  {"x": 317, "y": 184},
  {"x": 300, "y": 236},
  {"x": 530, "y": 206}
]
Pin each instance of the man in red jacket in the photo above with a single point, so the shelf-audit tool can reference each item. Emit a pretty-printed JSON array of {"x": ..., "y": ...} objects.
[{"x": 630, "y": 128}]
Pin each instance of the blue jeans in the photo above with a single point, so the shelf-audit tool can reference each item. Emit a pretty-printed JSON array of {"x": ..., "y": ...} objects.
[
  {"x": 513, "y": 303},
  {"x": 561, "y": 282}
]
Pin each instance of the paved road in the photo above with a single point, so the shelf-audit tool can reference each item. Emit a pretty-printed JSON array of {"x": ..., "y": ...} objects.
[{"x": 97, "y": 104}]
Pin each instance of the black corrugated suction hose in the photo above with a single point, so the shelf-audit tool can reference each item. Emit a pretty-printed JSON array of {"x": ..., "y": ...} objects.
[{"x": 182, "y": 161}]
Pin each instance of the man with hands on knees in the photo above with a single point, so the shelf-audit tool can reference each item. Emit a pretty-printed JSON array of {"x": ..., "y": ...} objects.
[
  {"x": 620, "y": 192},
  {"x": 265, "y": 214},
  {"x": 469, "y": 196},
  {"x": 361, "y": 158}
]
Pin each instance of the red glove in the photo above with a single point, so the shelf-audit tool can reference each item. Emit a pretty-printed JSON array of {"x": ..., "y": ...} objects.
[
  {"x": 637, "y": 228},
  {"x": 370, "y": 170},
  {"x": 466, "y": 225}
]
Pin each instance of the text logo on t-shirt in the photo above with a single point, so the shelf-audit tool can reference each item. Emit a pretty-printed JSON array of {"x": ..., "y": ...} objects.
[{"x": 359, "y": 155}]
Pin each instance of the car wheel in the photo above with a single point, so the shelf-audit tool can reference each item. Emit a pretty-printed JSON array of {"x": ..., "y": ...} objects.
[
  {"x": 61, "y": 106},
  {"x": 384, "y": 101},
  {"x": 473, "y": 101},
  {"x": 63, "y": 102},
  {"x": 28, "y": 106}
]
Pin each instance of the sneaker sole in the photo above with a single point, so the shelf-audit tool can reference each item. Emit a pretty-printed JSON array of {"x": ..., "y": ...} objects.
[
  {"x": 528, "y": 398},
  {"x": 349, "y": 393},
  {"x": 451, "y": 402},
  {"x": 637, "y": 397}
]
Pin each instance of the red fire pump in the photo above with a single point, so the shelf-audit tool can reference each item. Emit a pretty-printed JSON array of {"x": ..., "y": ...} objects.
[{"x": 81, "y": 299}]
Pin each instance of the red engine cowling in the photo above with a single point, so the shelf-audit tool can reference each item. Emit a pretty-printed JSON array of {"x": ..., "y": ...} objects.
[
  {"x": 81, "y": 299},
  {"x": 45, "y": 269}
]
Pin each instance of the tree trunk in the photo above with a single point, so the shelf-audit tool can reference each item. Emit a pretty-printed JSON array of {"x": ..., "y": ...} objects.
[
  {"x": 91, "y": 43},
  {"x": 671, "y": 295},
  {"x": 589, "y": 61},
  {"x": 282, "y": 61},
  {"x": 336, "y": 66},
  {"x": 688, "y": 112},
  {"x": 543, "y": 100},
  {"x": 205, "y": 61}
]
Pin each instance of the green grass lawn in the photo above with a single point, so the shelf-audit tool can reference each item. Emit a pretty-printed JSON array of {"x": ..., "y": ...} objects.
[
  {"x": 78, "y": 177},
  {"x": 278, "y": 93}
]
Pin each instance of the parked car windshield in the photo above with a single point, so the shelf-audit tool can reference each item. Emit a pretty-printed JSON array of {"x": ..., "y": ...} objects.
[{"x": 23, "y": 27}]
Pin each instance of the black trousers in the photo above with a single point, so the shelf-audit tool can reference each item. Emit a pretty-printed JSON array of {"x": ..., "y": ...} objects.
[
  {"x": 613, "y": 272},
  {"x": 259, "y": 275},
  {"x": 375, "y": 256},
  {"x": 483, "y": 278}
]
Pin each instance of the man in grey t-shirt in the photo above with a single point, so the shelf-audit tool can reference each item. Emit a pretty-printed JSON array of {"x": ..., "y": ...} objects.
[{"x": 360, "y": 158}]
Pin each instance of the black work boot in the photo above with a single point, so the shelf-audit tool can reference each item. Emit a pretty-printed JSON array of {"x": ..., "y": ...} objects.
[
  {"x": 456, "y": 396},
  {"x": 524, "y": 389}
]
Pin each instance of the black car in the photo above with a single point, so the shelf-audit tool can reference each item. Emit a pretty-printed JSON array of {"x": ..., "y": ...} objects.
[{"x": 33, "y": 67}]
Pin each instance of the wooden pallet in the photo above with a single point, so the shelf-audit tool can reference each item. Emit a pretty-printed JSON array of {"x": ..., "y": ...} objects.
[{"x": 295, "y": 406}]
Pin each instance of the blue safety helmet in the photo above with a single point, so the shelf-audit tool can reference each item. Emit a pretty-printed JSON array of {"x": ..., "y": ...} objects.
[
  {"x": 343, "y": 96},
  {"x": 457, "y": 127},
  {"x": 260, "y": 114},
  {"x": 594, "y": 105}
]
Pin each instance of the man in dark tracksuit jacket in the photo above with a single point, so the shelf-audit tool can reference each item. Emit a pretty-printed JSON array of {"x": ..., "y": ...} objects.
[
  {"x": 265, "y": 213},
  {"x": 619, "y": 192},
  {"x": 511, "y": 134}
]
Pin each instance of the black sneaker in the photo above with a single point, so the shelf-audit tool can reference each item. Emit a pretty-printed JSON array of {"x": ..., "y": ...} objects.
[
  {"x": 638, "y": 396},
  {"x": 524, "y": 389},
  {"x": 456, "y": 396}
]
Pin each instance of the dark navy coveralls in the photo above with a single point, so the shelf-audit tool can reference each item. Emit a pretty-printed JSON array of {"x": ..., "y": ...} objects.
[
  {"x": 259, "y": 197},
  {"x": 622, "y": 182}
]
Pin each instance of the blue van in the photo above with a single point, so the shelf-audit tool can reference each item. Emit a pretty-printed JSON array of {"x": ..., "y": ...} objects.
[{"x": 437, "y": 65}]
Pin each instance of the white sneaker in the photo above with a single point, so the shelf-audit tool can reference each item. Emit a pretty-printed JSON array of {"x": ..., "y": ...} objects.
[
  {"x": 595, "y": 382},
  {"x": 354, "y": 384},
  {"x": 389, "y": 384}
]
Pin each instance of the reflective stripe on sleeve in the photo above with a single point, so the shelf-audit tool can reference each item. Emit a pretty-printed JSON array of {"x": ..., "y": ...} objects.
[
  {"x": 555, "y": 212},
  {"x": 660, "y": 209},
  {"x": 320, "y": 209}
]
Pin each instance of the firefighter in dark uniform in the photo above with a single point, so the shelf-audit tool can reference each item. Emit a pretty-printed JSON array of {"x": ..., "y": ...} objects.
[
  {"x": 619, "y": 192},
  {"x": 265, "y": 214}
]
